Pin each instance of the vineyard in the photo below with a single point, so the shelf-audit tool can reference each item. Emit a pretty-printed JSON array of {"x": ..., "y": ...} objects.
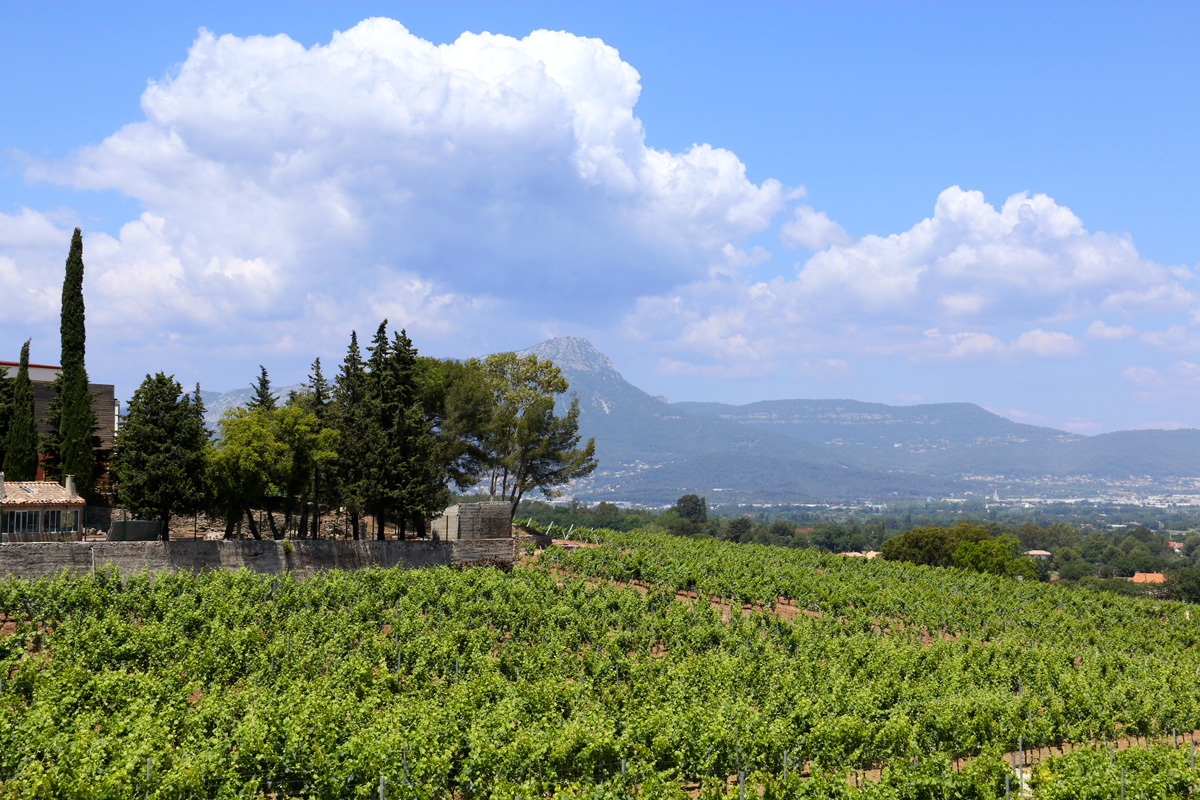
[{"x": 582, "y": 673}]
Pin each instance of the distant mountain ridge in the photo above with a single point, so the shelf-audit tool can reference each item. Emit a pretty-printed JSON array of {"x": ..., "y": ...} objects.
[
  {"x": 217, "y": 403},
  {"x": 834, "y": 449},
  {"x": 794, "y": 451}
]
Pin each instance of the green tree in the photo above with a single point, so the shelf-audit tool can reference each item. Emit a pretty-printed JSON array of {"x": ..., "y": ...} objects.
[
  {"x": 458, "y": 403},
  {"x": 353, "y": 421},
  {"x": 693, "y": 508},
  {"x": 75, "y": 422},
  {"x": 307, "y": 447},
  {"x": 739, "y": 529},
  {"x": 263, "y": 398},
  {"x": 7, "y": 386},
  {"x": 528, "y": 445},
  {"x": 241, "y": 466},
  {"x": 21, "y": 455},
  {"x": 932, "y": 545},
  {"x": 999, "y": 556},
  {"x": 1184, "y": 584},
  {"x": 316, "y": 400},
  {"x": 262, "y": 454},
  {"x": 160, "y": 452}
]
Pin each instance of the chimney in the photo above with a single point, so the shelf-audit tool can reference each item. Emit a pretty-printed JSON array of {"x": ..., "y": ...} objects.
[
  {"x": 1, "y": 487},
  {"x": 71, "y": 495}
]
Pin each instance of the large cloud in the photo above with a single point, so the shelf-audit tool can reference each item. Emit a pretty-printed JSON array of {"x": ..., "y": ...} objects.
[
  {"x": 971, "y": 282},
  {"x": 496, "y": 175}
]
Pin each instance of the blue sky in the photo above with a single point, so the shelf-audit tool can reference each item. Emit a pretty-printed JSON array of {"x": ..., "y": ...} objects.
[{"x": 898, "y": 202}]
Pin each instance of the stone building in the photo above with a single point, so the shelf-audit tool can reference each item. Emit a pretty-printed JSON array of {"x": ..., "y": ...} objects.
[
  {"x": 104, "y": 403},
  {"x": 473, "y": 521},
  {"x": 39, "y": 511}
]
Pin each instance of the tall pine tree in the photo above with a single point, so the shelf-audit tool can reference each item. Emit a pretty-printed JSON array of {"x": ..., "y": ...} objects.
[
  {"x": 352, "y": 421},
  {"x": 75, "y": 421},
  {"x": 319, "y": 389},
  {"x": 160, "y": 452},
  {"x": 21, "y": 456},
  {"x": 264, "y": 398}
]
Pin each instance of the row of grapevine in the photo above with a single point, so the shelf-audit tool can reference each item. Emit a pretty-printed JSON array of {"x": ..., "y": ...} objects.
[{"x": 438, "y": 683}]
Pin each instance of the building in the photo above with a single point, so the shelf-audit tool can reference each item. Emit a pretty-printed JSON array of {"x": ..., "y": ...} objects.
[
  {"x": 105, "y": 405},
  {"x": 39, "y": 510},
  {"x": 1041, "y": 555},
  {"x": 491, "y": 520}
]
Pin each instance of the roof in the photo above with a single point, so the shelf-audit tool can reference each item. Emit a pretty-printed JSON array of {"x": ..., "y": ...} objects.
[
  {"x": 1148, "y": 577},
  {"x": 17, "y": 364},
  {"x": 856, "y": 554},
  {"x": 1036, "y": 553},
  {"x": 38, "y": 493}
]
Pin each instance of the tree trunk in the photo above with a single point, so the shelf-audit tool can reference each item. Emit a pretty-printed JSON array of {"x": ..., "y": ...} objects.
[
  {"x": 165, "y": 533},
  {"x": 316, "y": 509},
  {"x": 302, "y": 528},
  {"x": 354, "y": 524},
  {"x": 275, "y": 532},
  {"x": 230, "y": 524},
  {"x": 380, "y": 516},
  {"x": 252, "y": 524}
]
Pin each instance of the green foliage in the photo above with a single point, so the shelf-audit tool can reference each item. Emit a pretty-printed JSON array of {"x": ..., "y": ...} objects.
[
  {"x": 1001, "y": 556},
  {"x": 75, "y": 422},
  {"x": 263, "y": 398},
  {"x": 6, "y": 410},
  {"x": 1184, "y": 584},
  {"x": 267, "y": 451},
  {"x": 21, "y": 454},
  {"x": 160, "y": 452},
  {"x": 693, "y": 508},
  {"x": 933, "y": 546},
  {"x": 550, "y": 681},
  {"x": 525, "y": 444}
]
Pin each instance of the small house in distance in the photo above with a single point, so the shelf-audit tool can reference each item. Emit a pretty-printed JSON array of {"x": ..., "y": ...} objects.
[
  {"x": 492, "y": 520},
  {"x": 39, "y": 511},
  {"x": 1041, "y": 555}
]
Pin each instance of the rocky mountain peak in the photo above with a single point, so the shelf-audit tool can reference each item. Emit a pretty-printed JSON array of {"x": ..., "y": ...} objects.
[{"x": 572, "y": 353}]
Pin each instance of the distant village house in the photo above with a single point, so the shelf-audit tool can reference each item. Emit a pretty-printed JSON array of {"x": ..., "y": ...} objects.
[{"x": 39, "y": 510}]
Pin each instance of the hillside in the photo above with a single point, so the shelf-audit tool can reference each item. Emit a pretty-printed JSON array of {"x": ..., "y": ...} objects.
[{"x": 804, "y": 450}]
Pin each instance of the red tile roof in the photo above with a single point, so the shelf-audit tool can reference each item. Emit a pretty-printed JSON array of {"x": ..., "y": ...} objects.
[{"x": 37, "y": 493}]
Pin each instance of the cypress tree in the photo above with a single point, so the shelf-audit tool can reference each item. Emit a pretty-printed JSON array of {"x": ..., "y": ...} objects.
[
  {"x": 6, "y": 410},
  {"x": 75, "y": 422},
  {"x": 21, "y": 456}
]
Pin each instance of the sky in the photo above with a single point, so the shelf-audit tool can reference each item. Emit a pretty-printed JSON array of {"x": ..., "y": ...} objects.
[{"x": 891, "y": 202}]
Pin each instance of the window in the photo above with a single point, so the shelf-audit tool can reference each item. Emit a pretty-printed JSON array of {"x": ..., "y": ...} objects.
[
  {"x": 60, "y": 520},
  {"x": 19, "y": 522}
]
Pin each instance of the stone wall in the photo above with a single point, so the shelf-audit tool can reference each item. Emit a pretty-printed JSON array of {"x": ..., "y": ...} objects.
[{"x": 37, "y": 560}]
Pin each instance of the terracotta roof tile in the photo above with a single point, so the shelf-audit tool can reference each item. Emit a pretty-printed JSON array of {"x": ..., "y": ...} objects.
[{"x": 37, "y": 493}]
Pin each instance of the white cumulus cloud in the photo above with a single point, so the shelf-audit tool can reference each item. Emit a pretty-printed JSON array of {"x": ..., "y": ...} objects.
[
  {"x": 382, "y": 171},
  {"x": 971, "y": 282},
  {"x": 813, "y": 230}
]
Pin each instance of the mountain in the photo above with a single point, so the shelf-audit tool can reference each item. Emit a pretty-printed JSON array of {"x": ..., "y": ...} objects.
[
  {"x": 650, "y": 451},
  {"x": 958, "y": 439},
  {"x": 217, "y": 403},
  {"x": 803, "y": 450}
]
